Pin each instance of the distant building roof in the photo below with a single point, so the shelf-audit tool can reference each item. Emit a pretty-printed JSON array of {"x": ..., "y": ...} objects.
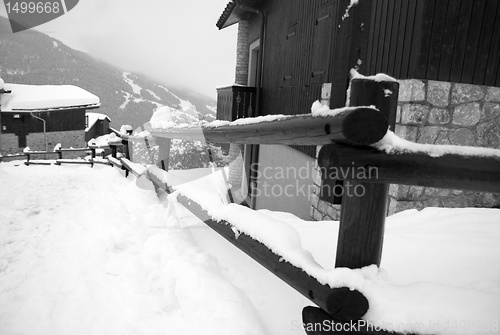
[
  {"x": 27, "y": 98},
  {"x": 92, "y": 118}
]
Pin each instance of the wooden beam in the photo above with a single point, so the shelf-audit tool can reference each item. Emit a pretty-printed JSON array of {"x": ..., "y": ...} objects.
[
  {"x": 448, "y": 171},
  {"x": 361, "y": 126},
  {"x": 342, "y": 303},
  {"x": 362, "y": 216}
]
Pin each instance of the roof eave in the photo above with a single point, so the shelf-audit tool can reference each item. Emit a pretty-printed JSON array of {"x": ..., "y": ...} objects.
[
  {"x": 226, "y": 14},
  {"x": 92, "y": 106},
  {"x": 233, "y": 13}
]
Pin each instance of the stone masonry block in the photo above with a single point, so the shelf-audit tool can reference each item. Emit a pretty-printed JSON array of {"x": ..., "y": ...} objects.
[
  {"x": 466, "y": 93},
  {"x": 323, "y": 206},
  {"x": 437, "y": 192},
  {"x": 462, "y": 136},
  {"x": 488, "y": 199},
  {"x": 411, "y": 90},
  {"x": 398, "y": 114},
  {"x": 467, "y": 114},
  {"x": 488, "y": 134},
  {"x": 317, "y": 215},
  {"x": 414, "y": 114},
  {"x": 415, "y": 192},
  {"x": 314, "y": 199},
  {"x": 443, "y": 138},
  {"x": 490, "y": 111},
  {"x": 407, "y": 132},
  {"x": 493, "y": 94},
  {"x": 438, "y": 93},
  {"x": 333, "y": 211},
  {"x": 429, "y": 134},
  {"x": 439, "y": 116}
]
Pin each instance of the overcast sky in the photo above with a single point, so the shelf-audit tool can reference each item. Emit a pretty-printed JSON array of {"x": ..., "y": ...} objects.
[{"x": 171, "y": 41}]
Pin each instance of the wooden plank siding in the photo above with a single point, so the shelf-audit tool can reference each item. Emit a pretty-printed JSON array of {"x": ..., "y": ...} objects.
[
  {"x": 308, "y": 43},
  {"x": 298, "y": 44},
  {"x": 63, "y": 120},
  {"x": 445, "y": 40}
]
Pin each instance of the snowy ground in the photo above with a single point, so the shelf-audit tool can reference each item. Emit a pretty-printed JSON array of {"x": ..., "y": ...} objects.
[{"x": 85, "y": 251}]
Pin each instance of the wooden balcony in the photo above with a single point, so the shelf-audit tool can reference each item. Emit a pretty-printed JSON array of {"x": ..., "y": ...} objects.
[{"x": 235, "y": 102}]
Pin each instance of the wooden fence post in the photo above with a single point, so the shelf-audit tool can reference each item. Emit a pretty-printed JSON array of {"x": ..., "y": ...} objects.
[
  {"x": 163, "y": 152},
  {"x": 126, "y": 148},
  {"x": 364, "y": 206},
  {"x": 114, "y": 150}
]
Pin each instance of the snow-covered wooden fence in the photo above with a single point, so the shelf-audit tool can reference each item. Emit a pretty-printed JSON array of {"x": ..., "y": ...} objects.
[
  {"x": 59, "y": 160},
  {"x": 355, "y": 137}
]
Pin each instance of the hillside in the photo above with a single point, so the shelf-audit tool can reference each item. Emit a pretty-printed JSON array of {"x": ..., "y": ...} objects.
[{"x": 30, "y": 57}]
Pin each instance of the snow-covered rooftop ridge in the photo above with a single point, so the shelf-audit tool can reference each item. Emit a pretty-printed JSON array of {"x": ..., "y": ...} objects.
[
  {"x": 43, "y": 97},
  {"x": 392, "y": 144}
]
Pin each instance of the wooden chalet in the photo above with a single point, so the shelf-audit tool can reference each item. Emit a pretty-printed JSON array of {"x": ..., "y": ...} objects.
[
  {"x": 39, "y": 117},
  {"x": 293, "y": 52},
  {"x": 96, "y": 124}
]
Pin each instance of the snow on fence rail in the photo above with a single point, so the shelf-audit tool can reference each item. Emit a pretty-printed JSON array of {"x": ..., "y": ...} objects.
[
  {"x": 360, "y": 125},
  {"x": 359, "y": 142}
]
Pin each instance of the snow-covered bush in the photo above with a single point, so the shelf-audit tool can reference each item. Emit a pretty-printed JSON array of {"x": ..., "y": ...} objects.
[
  {"x": 183, "y": 154},
  {"x": 195, "y": 154}
]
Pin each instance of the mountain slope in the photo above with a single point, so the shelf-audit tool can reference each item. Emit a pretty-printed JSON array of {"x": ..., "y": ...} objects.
[{"x": 30, "y": 57}]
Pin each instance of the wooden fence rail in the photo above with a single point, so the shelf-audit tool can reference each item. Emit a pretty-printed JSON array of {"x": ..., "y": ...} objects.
[
  {"x": 361, "y": 230},
  {"x": 362, "y": 126}
]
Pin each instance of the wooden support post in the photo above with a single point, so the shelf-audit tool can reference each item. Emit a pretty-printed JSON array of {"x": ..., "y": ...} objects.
[
  {"x": 59, "y": 152},
  {"x": 163, "y": 152},
  {"x": 113, "y": 150},
  {"x": 126, "y": 148},
  {"x": 364, "y": 205}
]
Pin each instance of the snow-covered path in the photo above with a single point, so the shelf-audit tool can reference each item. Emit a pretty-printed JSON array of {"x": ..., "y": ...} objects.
[{"x": 85, "y": 251}]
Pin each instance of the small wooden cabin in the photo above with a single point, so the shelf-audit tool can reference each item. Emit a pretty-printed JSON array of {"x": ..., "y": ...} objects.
[
  {"x": 40, "y": 117},
  {"x": 96, "y": 124},
  {"x": 293, "y": 52}
]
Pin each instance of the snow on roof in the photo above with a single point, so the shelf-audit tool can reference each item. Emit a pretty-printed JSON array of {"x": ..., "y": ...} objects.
[
  {"x": 92, "y": 118},
  {"x": 42, "y": 97}
]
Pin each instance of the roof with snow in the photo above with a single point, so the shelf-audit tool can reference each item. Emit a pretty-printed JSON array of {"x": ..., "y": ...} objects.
[
  {"x": 92, "y": 118},
  {"x": 27, "y": 98}
]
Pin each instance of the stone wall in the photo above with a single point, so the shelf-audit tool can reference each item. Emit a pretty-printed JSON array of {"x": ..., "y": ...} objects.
[
  {"x": 236, "y": 173},
  {"x": 321, "y": 210},
  {"x": 9, "y": 144},
  {"x": 36, "y": 141},
  {"x": 242, "y": 54},
  {"x": 434, "y": 112}
]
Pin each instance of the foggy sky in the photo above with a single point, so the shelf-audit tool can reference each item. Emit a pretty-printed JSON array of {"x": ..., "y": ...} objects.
[{"x": 172, "y": 41}]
